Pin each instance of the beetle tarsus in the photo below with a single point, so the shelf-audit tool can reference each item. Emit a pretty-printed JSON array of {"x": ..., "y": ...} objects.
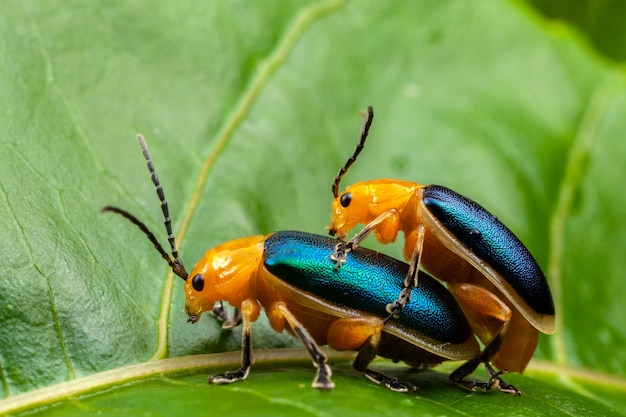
[
  {"x": 230, "y": 377},
  {"x": 340, "y": 254},
  {"x": 496, "y": 382},
  {"x": 343, "y": 248},
  {"x": 390, "y": 382},
  {"x": 394, "y": 309},
  {"x": 322, "y": 378}
]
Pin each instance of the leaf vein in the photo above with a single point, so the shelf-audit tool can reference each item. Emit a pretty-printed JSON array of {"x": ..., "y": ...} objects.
[
  {"x": 576, "y": 164},
  {"x": 55, "y": 316},
  {"x": 256, "y": 86}
]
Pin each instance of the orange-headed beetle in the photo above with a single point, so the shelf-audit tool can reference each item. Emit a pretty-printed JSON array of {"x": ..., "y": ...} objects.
[
  {"x": 291, "y": 276},
  {"x": 458, "y": 241}
]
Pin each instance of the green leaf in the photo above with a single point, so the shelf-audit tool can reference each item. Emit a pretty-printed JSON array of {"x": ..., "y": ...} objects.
[
  {"x": 249, "y": 110},
  {"x": 601, "y": 22},
  {"x": 278, "y": 387}
]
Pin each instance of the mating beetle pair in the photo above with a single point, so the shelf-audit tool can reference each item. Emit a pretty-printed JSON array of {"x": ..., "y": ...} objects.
[
  {"x": 294, "y": 277},
  {"x": 487, "y": 268}
]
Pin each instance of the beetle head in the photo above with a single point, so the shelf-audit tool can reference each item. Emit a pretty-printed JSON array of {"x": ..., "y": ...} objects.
[
  {"x": 349, "y": 209},
  {"x": 225, "y": 273},
  {"x": 365, "y": 201}
]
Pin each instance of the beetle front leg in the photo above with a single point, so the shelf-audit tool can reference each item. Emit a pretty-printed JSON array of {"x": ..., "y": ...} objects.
[
  {"x": 391, "y": 230},
  {"x": 246, "y": 350},
  {"x": 220, "y": 312}
]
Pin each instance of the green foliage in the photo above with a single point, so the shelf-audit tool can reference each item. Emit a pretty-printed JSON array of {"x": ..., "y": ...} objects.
[
  {"x": 600, "y": 21},
  {"x": 249, "y": 109}
]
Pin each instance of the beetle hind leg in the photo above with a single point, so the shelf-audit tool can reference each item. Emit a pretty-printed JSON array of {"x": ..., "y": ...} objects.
[
  {"x": 363, "y": 334},
  {"x": 390, "y": 382},
  {"x": 364, "y": 358},
  {"x": 495, "y": 381},
  {"x": 481, "y": 304}
]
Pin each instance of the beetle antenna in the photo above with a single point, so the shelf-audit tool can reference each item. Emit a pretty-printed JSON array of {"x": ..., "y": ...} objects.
[
  {"x": 176, "y": 264},
  {"x": 367, "y": 122}
]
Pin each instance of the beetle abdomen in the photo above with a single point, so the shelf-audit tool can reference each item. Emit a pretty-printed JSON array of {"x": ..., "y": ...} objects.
[
  {"x": 367, "y": 281},
  {"x": 483, "y": 234}
]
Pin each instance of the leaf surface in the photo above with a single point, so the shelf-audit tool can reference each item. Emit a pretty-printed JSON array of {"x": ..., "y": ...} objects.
[{"x": 249, "y": 110}]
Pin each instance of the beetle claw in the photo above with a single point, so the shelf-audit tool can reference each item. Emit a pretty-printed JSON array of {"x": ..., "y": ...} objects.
[
  {"x": 322, "y": 379},
  {"x": 390, "y": 382},
  {"x": 340, "y": 254},
  {"x": 394, "y": 309},
  {"x": 496, "y": 382},
  {"x": 230, "y": 377}
]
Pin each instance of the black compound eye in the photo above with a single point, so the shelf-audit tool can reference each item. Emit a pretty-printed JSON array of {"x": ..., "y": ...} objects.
[
  {"x": 345, "y": 199},
  {"x": 198, "y": 282}
]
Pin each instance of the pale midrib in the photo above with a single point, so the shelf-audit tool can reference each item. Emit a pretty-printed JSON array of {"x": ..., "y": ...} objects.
[
  {"x": 274, "y": 61},
  {"x": 142, "y": 371},
  {"x": 570, "y": 185}
]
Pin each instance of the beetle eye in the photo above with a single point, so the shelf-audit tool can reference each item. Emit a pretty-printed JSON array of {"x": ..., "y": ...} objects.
[
  {"x": 346, "y": 199},
  {"x": 198, "y": 282}
]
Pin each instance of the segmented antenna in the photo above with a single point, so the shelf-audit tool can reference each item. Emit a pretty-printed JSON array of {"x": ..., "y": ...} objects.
[
  {"x": 176, "y": 264},
  {"x": 367, "y": 122}
]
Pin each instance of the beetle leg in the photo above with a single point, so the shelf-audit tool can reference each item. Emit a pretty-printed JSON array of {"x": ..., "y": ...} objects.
[
  {"x": 234, "y": 321},
  {"x": 363, "y": 334},
  {"x": 220, "y": 312},
  {"x": 246, "y": 350},
  {"x": 390, "y": 382},
  {"x": 366, "y": 355},
  {"x": 343, "y": 248},
  {"x": 495, "y": 381},
  {"x": 479, "y": 305},
  {"x": 322, "y": 379},
  {"x": 394, "y": 309}
]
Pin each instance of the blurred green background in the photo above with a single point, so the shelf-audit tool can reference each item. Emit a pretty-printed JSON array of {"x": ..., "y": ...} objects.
[
  {"x": 600, "y": 22},
  {"x": 249, "y": 110}
]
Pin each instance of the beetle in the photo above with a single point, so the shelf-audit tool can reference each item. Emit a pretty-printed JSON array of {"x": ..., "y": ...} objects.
[
  {"x": 455, "y": 240},
  {"x": 290, "y": 275}
]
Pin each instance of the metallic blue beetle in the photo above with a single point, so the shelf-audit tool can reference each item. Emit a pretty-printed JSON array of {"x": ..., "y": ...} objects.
[
  {"x": 291, "y": 276},
  {"x": 455, "y": 240}
]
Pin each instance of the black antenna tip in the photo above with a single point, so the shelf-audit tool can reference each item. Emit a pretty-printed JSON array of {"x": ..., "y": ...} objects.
[{"x": 367, "y": 122}]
